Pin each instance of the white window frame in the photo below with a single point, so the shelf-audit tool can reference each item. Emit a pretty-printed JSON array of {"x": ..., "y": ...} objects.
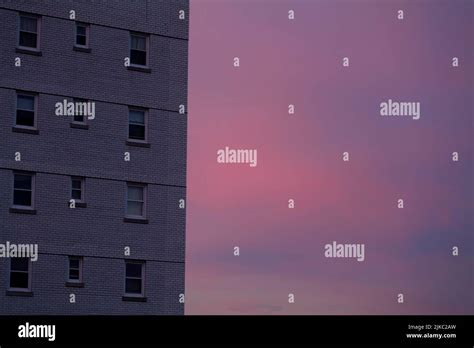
[
  {"x": 87, "y": 26},
  {"x": 84, "y": 117},
  {"x": 33, "y": 179},
  {"x": 142, "y": 294},
  {"x": 81, "y": 266},
  {"x": 147, "y": 47},
  {"x": 144, "y": 207},
  {"x": 38, "y": 31},
  {"x": 145, "y": 124},
  {"x": 29, "y": 277},
  {"x": 83, "y": 189},
  {"x": 35, "y": 110}
]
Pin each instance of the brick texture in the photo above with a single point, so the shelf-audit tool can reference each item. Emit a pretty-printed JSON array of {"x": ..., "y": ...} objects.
[{"x": 97, "y": 232}]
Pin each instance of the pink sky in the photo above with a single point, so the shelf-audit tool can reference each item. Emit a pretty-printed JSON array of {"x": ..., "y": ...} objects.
[{"x": 300, "y": 157}]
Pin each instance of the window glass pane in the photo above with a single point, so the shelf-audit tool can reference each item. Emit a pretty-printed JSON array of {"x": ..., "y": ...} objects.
[
  {"x": 25, "y": 102},
  {"x": 137, "y": 57},
  {"x": 81, "y": 30},
  {"x": 135, "y": 193},
  {"x": 22, "y": 181},
  {"x": 73, "y": 263},
  {"x": 136, "y": 117},
  {"x": 19, "y": 264},
  {"x": 139, "y": 43},
  {"x": 74, "y": 274},
  {"x": 28, "y": 24},
  {"x": 133, "y": 286},
  {"x": 28, "y": 39},
  {"x": 134, "y": 270},
  {"x": 81, "y": 40},
  {"x": 19, "y": 280},
  {"x": 22, "y": 198},
  {"x": 76, "y": 194},
  {"x": 135, "y": 208},
  {"x": 76, "y": 184},
  {"x": 136, "y": 132},
  {"x": 79, "y": 118},
  {"x": 25, "y": 118}
]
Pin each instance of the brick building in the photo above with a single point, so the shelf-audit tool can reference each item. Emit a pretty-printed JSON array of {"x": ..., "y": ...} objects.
[{"x": 102, "y": 194}]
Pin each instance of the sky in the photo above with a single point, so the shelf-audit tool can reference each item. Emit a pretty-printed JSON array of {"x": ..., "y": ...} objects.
[{"x": 337, "y": 109}]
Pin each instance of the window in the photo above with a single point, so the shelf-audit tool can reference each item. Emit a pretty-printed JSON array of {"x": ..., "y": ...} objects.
[
  {"x": 77, "y": 189},
  {"x": 83, "y": 110},
  {"x": 78, "y": 118},
  {"x": 82, "y": 35},
  {"x": 138, "y": 49},
  {"x": 25, "y": 110},
  {"x": 134, "y": 278},
  {"x": 80, "y": 110},
  {"x": 29, "y": 32},
  {"x": 136, "y": 200},
  {"x": 137, "y": 125},
  {"x": 23, "y": 189},
  {"x": 20, "y": 274},
  {"x": 75, "y": 269}
]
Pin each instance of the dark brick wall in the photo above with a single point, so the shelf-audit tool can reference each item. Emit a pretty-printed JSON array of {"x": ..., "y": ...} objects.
[
  {"x": 97, "y": 232},
  {"x": 100, "y": 74},
  {"x": 151, "y": 16},
  {"x": 99, "y": 150},
  {"x": 102, "y": 292}
]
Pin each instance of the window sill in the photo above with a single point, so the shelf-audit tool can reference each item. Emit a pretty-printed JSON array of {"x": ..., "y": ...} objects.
[
  {"x": 137, "y": 143},
  {"x": 133, "y": 298},
  {"x": 75, "y": 284},
  {"x": 78, "y": 204},
  {"x": 20, "y": 293},
  {"x": 32, "y": 51},
  {"x": 82, "y": 49},
  {"x": 79, "y": 125},
  {"x": 144, "y": 69},
  {"x": 135, "y": 220},
  {"x": 23, "y": 211},
  {"x": 25, "y": 130}
]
